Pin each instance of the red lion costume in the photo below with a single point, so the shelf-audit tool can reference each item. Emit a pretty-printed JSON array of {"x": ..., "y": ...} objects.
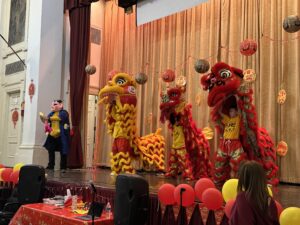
[
  {"x": 190, "y": 149},
  {"x": 225, "y": 90}
]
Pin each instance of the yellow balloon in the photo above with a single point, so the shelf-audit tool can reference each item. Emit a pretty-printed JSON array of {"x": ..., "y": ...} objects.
[
  {"x": 229, "y": 190},
  {"x": 1, "y": 170},
  {"x": 290, "y": 216},
  {"x": 17, "y": 167},
  {"x": 270, "y": 191}
]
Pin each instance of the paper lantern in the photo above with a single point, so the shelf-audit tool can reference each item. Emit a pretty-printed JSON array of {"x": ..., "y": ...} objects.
[
  {"x": 15, "y": 117},
  {"x": 249, "y": 75},
  {"x": 168, "y": 76},
  {"x": 31, "y": 90},
  {"x": 166, "y": 194},
  {"x": 90, "y": 69},
  {"x": 291, "y": 24},
  {"x": 141, "y": 78},
  {"x": 282, "y": 148},
  {"x": 180, "y": 81},
  {"x": 5, "y": 175},
  {"x": 228, "y": 208},
  {"x": 248, "y": 47},
  {"x": 14, "y": 177},
  {"x": 281, "y": 97},
  {"x": 201, "y": 66}
]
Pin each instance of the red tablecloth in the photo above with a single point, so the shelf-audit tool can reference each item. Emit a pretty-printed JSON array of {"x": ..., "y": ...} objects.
[{"x": 43, "y": 214}]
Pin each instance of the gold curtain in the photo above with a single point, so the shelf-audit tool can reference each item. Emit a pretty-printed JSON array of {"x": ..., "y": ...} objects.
[{"x": 212, "y": 30}]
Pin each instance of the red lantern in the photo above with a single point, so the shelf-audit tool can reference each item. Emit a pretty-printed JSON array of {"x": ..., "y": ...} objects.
[
  {"x": 5, "y": 175},
  {"x": 31, "y": 90},
  {"x": 248, "y": 47},
  {"x": 166, "y": 194},
  {"x": 187, "y": 192},
  {"x": 15, "y": 117},
  {"x": 168, "y": 76},
  {"x": 228, "y": 208},
  {"x": 201, "y": 185},
  {"x": 279, "y": 208},
  {"x": 212, "y": 198},
  {"x": 14, "y": 177}
]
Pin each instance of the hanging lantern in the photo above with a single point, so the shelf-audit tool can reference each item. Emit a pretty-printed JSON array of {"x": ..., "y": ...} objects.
[
  {"x": 291, "y": 24},
  {"x": 111, "y": 74},
  {"x": 249, "y": 75},
  {"x": 31, "y": 90},
  {"x": 141, "y": 78},
  {"x": 201, "y": 66},
  {"x": 282, "y": 148},
  {"x": 168, "y": 76},
  {"x": 281, "y": 97},
  {"x": 90, "y": 69},
  {"x": 15, "y": 117},
  {"x": 248, "y": 47}
]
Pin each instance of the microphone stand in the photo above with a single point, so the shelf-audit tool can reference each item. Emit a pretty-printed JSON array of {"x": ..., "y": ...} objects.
[
  {"x": 181, "y": 207},
  {"x": 93, "y": 202}
]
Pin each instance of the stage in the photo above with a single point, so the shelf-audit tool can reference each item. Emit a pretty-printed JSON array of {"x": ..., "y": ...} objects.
[{"x": 78, "y": 181}]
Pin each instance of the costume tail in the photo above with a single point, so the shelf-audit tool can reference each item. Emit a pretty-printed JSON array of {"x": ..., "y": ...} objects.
[
  {"x": 267, "y": 155},
  {"x": 152, "y": 149}
]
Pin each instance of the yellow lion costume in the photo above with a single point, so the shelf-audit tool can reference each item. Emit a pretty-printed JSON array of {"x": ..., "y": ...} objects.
[{"x": 119, "y": 96}]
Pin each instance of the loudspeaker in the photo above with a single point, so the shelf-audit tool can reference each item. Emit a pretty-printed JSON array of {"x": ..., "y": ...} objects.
[
  {"x": 126, "y": 3},
  {"x": 131, "y": 201},
  {"x": 31, "y": 184}
]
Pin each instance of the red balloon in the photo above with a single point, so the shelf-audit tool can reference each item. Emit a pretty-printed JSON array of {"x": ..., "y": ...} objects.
[
  {"x": 279, "y": 208},
  {"x": 166, "y": 194},
  {"x": 201, "y": 185},
  {"x": 188, "y": 194},
  {"x": 228, "y": 207},
  {"x": 5, "y": 175},
  {"x": 212, "y": 198},
  {"x": 1, "y": 166},
  {"x": 14, "y": 177}
]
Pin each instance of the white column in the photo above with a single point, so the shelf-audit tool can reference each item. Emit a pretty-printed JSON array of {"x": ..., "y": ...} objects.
[{"x": 44, "y": 67}]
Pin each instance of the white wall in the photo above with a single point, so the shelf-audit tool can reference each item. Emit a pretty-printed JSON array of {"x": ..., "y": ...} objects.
[{"x": 149, "y": 10}]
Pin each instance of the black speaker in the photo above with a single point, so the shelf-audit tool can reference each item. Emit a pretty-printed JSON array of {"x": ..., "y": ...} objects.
[
  {"x": 31, "y": 184},
  {"x": 126, "y": 3},
  {"x": 131, "y": 201}
]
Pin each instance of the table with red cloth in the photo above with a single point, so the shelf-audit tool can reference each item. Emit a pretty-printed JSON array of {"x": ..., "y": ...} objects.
[{"x": 43, "y": 214}]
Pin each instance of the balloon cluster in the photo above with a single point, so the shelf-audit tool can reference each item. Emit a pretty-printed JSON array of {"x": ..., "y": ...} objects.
[
  {"x": 10, "y": 174},
  {"x": 184, "y": 194}
]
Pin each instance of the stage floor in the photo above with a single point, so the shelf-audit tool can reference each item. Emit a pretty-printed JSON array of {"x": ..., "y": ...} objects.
[{"x": 287, "y": 195}]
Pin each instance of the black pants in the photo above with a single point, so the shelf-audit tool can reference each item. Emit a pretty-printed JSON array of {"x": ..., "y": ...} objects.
[{"x": 63, "y": 160}]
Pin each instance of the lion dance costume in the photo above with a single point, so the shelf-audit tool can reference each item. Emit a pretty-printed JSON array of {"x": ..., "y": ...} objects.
[
  {"x": 119, "y": 95},
  {"x": 190, "y": 149},
  {"x": 225, "y": 90}
]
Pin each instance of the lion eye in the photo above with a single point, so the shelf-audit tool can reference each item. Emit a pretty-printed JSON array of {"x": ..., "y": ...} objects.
[
  {"x": 225, "y": 74},
  {"x": 120, "y": 81}
]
